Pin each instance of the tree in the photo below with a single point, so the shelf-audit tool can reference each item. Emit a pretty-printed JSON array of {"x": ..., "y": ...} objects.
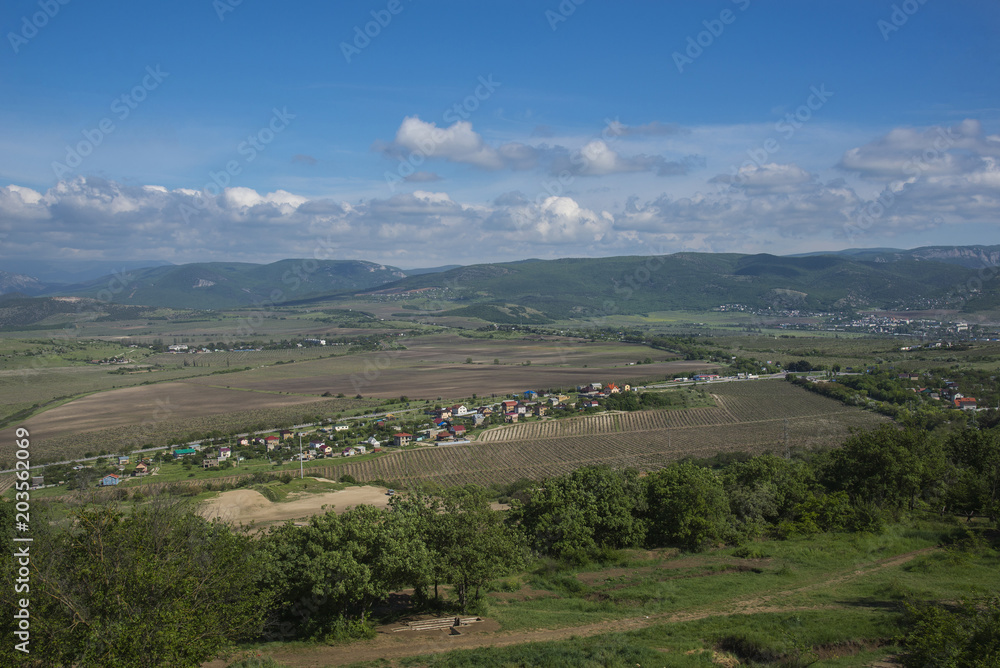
[
  {"x": 156, "y": 587},
  {"x": 886, "y": 468},
  {"x": 968, "y": 636},
  {"x": 329, "y": 574},
  {"x": 472, "y": 543},
  {"x": 573, "y": 516},
  {"x": 976, "y": 455},
  {"x": 764, "y": 491},
  {"x": 687, "y": 506}
]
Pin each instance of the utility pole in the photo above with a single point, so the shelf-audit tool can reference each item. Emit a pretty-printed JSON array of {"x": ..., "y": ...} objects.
[
  {"x": 301, "y": 474},
  {"x": 788, "y": 454}
]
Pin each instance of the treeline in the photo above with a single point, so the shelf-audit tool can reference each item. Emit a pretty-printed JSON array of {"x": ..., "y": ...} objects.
[
  {"x": 883, "y": 393},
  {"x": 162, "y": 586},
  {"x": 858, "y": 487}
]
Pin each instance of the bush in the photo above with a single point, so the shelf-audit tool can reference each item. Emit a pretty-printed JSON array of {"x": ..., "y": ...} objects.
[{"x": 348, "y": 478}]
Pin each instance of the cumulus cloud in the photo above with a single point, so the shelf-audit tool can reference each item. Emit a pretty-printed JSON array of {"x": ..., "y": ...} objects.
[
  {"x": 417, "y": 140},
  {"x": 549, "y": 220},
  {"x": 101, "y": 219},
  {"x": 456, "y": 143},
  {"x": 909, "y": 153}
]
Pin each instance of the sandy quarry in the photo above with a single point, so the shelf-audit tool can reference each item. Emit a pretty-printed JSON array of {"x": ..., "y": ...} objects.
[{"x": 247, "y": 505}]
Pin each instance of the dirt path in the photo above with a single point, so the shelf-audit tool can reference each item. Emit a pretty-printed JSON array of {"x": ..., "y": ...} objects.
[{"x": 405, "y": 644}]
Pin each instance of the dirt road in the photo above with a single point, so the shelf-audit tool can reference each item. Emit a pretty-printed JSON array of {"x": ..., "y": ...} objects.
[{"x": 405, "y": 644}]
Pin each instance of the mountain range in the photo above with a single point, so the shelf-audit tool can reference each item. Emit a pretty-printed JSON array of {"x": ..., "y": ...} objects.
[{"x": 545, "y": 290}]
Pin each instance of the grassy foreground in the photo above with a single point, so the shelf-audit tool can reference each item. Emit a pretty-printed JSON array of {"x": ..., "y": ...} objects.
[{"x": 831, "y": 599}]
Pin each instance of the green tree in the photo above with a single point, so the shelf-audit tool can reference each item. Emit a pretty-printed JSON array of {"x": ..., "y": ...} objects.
[
  {"x": 976, "y": 456},
  {"x": 886, "y": 468},
  {"x": 329, "y": 574},
  {"x": 157, "y": 587},
  {"x": 573, "y": 516},
  {"x": 473, "y": 545},
  {"x": 687, "y": 506},
  {"x": 765, "y": 491},
  {"x": 968, "y": 636}
]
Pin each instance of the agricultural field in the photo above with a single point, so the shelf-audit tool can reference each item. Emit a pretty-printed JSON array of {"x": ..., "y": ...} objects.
[
  {"x": 755, "y": 417},
  {"x": 430, "y": 367}
]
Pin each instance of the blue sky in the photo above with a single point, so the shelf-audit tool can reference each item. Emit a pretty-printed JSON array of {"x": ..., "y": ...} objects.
[{"x": 461, "y": 132}]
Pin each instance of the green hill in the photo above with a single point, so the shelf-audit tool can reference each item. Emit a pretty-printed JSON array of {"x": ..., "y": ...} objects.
[
  {"x": 219, "y": 285},
  {"x": 579, "y": 287}
]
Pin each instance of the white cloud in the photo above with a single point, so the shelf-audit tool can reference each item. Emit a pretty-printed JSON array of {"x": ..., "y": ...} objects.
[{"x": 417, "y": 140}]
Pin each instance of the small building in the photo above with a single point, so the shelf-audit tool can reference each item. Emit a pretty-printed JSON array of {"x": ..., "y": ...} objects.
[
  {"x": 510, "y": 417},
  {"x": 401, "y": 439},
  {"x": 360, "y": 449},
  {"x": 341, "y": 427},
  {"x": 225, "y": 452},
  {"x": 347, "y": 452},
  {"x": 316, "y": 444},
  {"x": 140, "y": 469},
  {"x": 540, "y": 410},
  {"x": 122, "y": 460},
  {"x": 183, "y": 452},
  {"x": 374, "y": 442},
  {"x": 38, "y": 481},
  {"x": 286, "y": 434},
  {"x": 110, "y": 479},
  {"x": 210, "y": 462},
  {"x": 966, "y": 403},
  {"x": 458, "y": 430}
]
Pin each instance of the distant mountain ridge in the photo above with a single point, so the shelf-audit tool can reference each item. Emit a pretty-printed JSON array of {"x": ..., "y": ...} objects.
[
  {"x": 535, "y": 290},
  {"x": 220, "y": 285},
  {"x": 972, "y": 257},
  {"x": 548, "y": 290},
  {"x": 26, "y": 285}
]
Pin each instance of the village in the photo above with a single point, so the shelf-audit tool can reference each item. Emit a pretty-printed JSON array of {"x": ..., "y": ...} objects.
[{"x": 365, "y": 435}]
